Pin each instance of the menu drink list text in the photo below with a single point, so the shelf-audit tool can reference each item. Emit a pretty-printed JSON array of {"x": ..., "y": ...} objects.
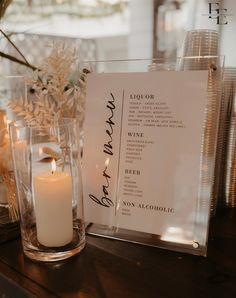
[{"x": 142, "y": 150}]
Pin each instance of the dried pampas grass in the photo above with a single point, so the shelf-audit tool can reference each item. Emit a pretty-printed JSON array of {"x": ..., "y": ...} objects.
[{"x": 53, "y": 95}]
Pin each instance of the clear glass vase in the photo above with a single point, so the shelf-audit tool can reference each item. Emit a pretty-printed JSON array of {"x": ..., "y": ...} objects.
[
  {"x": 8, "y": 204},
  {"x": 49, "y": 189},
  {"x": 11, "y": 87}
]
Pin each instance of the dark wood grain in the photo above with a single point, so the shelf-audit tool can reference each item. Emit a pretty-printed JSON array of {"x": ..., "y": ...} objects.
[{"x": 111, "y": 268}]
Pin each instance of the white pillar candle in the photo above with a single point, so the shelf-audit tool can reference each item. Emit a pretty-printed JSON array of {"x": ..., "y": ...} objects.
[{"x": 53, "y": 208}]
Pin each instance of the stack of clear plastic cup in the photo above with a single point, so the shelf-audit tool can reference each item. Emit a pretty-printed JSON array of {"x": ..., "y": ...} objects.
[
  {"x": 201, "y": 43},
  {"x": 201, "y": 52},
  {"x": 199, "y": 49},
  {"x": 227, "y": 197}
]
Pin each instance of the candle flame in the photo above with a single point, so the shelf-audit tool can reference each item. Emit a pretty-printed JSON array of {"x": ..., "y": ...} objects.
[{"x": 53, "y": 166}]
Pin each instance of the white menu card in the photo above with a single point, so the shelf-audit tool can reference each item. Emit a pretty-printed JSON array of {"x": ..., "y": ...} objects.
[{"x": 142, "y": 150}]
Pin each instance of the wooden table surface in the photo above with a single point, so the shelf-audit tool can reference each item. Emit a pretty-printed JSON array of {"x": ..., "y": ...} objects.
[{"x": 111, "y": 268}]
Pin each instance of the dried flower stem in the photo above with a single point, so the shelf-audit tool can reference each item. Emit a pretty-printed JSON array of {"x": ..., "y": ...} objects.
[
  {"x": 12, "y": 58},
  {"x": 14, "y": 46}
]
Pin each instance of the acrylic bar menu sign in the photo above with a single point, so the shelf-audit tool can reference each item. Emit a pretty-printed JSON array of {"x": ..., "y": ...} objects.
[{"x": 142, "y": 149}]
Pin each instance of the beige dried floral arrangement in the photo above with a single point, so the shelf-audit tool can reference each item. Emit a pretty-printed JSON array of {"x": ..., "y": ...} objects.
[{"x": 52, "y": 93}]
